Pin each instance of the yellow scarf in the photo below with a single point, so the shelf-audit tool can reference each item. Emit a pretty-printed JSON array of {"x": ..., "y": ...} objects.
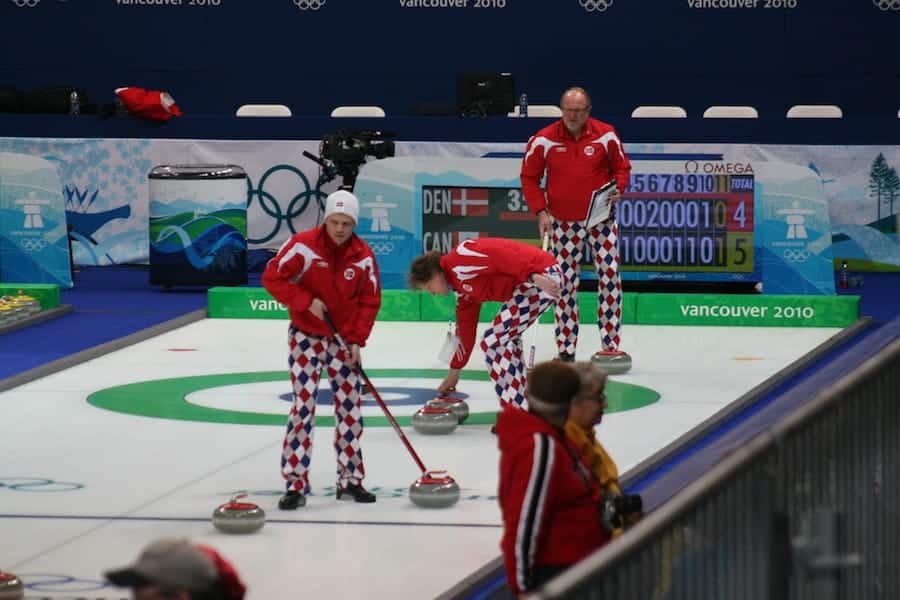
[{"x": 596, "y": 458}]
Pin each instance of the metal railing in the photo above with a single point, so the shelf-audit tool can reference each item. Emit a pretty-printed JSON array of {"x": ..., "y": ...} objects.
[{"x": 804, "y": 511}]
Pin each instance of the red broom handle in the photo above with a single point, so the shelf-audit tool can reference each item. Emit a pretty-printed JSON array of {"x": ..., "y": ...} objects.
[{"x": 378, "y": 399}]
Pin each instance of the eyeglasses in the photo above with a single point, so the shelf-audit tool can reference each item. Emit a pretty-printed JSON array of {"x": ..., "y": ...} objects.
[
  {"x": 599, "y": 397},
  {"x": 576, "y": 111}
]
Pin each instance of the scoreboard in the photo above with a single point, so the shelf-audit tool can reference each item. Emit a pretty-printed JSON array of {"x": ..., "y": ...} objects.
[
  {"x": 687, "y": 222},
  {"x": 671, "y": 225}
]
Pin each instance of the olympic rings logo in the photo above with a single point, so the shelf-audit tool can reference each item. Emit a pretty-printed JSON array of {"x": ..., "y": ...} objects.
[
  {"x": 887, "y": 4},
  {"x": 595, "y": 5},
  {"x": 270, "y": 206},
  {"x": 381, "y": 248},
  {"x": 37, "y": 484},
  {"x": 47, "y": 582},
  {"x": 28, "y": 3},
  {"x": 795, "y": 256},
  {"x": 309, "y": 4},
  {"x": 33, "y": 244}
]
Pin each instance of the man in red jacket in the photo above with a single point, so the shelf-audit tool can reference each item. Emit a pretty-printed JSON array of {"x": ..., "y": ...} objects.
[
  {"x": 550, "y": 501},
  {"x": 579, "y": 155},
  {"x": 526, "y": 279},
  {"x": 326, "y": 269}
]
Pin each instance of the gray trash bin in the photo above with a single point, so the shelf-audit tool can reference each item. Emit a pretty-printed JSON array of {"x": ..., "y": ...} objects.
[{"x": 198, "y": 225}]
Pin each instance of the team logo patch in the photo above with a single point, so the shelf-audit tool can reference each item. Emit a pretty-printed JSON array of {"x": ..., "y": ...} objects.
[
  {"x": 349, "y": 273},
  {"x": 588, "y": 150}
]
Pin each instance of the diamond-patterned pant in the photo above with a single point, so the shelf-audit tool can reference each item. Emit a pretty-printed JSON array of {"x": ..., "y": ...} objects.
[
  {"x": 308, "y": 355},
  {"x": 502, "y": 341},
  {"x": 568, "y": 241}
]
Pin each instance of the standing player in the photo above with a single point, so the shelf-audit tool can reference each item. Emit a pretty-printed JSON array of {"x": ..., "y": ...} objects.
[
  {"x": 326, "y": 269},
  {"x": 526, "y": 279},
  {"x": 579, "y": 155}
]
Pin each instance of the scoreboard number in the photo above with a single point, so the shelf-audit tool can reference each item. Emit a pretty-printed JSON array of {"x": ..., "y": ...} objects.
[{"x": 515, "y": 202}]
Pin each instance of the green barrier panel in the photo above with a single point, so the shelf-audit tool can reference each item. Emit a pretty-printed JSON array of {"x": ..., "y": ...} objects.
[
  {"x": 753, "y": 310},
  {"x": 629, "y": 307},
  {"x": 399, "y": 305},
  {"x": 243, "y": 303},
  {"x": 436, "y": 308},
  {"x": 643, "y": 309},
  {"x": 442, "y": 308},
  {"x": 45, "y": 293},
  {"x": 396, "y": 305},
  {"x": 256, "y": 303}
]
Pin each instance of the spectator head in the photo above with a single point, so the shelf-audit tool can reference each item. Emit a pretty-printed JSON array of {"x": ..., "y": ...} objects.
[
  {"x": 590, "y": 401},
  {"x": 174, "y": 568},
  {"x": 550, "y": 389}
]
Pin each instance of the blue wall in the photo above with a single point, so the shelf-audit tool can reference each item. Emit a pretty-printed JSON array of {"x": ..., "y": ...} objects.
[{"x": 213, "y": 58}]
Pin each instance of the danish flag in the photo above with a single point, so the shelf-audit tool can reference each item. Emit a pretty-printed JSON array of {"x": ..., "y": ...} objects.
[{"x": 469, "y": 202}]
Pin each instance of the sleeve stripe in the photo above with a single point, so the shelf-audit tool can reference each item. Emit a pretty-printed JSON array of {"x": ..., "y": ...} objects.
[
  {"x": 297, "y": 249},
  {"x": 533, "y": 507}
]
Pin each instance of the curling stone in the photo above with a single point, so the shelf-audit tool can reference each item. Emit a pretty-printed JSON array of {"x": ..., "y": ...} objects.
[
  {"x": 434, "y": 489},
  {"x": 614, "y": 363},
  {"x": 238, "y": 517},
  {"x": 457, "y": 405},
  {"x": 11, "y": 587},
  {"x": 432, "y": 420}
]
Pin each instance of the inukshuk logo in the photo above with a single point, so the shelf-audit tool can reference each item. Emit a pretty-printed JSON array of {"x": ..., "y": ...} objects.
[
  {"x": 595, "y": 5},
  {"x": 309, "y": 4},
  {"x": 887, "y": 4}
]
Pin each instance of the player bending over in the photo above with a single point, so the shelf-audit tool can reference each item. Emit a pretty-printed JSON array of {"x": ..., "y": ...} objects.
[{"x": 526, "y": 279}]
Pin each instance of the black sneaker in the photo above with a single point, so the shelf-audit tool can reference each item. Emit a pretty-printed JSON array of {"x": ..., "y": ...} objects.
[
  {"x": 292, "y": 500},
  {"x": 355, "y": 492},
  {"x": 566, "y": 357}
]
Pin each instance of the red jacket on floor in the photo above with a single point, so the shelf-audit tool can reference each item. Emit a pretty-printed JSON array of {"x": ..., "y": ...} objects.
[
  {"x": 550, "y": 501},
  {"x": 485, "y": 269},
  {"x": 575, "y": 168},
  {"x": 309, "y": 265}
]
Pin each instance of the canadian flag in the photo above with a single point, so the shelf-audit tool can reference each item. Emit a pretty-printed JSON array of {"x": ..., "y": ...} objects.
[
  {"x": 461, "y": 236},
  {"x": 469, "y": 202}
]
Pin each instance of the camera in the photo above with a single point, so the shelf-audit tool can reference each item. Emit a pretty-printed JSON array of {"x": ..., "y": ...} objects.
[
  {"x": 346, "y": 146},
  {"x": 618, "y": 510},
  {"x": 344, "y": 151}
]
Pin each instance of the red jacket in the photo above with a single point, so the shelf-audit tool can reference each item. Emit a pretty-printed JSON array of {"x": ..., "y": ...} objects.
[
  {"x": 550, "y": 501},
  {"x": 309, "y": 265},
  {"x": 575, "y": 168},
  {"x": 485, "y": 269}
]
